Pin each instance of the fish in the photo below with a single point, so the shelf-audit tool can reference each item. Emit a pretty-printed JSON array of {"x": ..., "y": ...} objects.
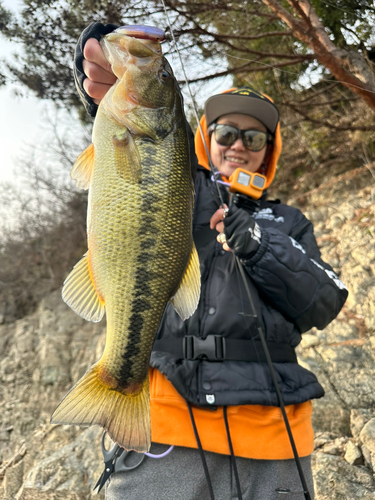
[{"x": 141, "y": 252}]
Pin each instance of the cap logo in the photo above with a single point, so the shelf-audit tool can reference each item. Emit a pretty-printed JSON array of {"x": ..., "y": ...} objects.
[{"x": 248, "y": 92}]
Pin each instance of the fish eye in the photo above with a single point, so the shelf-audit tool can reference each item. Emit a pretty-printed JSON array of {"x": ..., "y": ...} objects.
[{"x": 164, "y": 75}]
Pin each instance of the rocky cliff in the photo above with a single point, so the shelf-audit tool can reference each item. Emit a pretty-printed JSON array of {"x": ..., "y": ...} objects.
[{"x": 43, "y": 354}]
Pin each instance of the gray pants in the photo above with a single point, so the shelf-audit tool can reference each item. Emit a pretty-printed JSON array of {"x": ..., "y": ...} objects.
[{"x": 180, "y": 476}]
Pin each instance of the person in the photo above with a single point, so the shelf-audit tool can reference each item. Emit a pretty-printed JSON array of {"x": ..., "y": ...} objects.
[{"x": 212, "y": 396}]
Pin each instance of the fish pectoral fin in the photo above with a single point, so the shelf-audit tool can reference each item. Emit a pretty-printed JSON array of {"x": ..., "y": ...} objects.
[
  {"x": 127, "y": 159},
  {"x": 82, "y": 169},
  {"x": 126, "y": 417},
  {"x": 80, "y": 293},
  {"x": 185, "y": 301}
]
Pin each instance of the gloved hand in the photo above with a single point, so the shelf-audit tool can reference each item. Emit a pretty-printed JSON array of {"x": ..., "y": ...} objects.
[{"x": 242, "y": 233}]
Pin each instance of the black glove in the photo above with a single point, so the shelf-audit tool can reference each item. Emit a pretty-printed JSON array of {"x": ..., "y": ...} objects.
[
  {"x": 242, "y": 232},
  {"x": 95, "y": 30}
]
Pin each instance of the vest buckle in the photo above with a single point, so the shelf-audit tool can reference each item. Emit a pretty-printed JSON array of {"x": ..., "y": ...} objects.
[{"x": 211, "y": 348}]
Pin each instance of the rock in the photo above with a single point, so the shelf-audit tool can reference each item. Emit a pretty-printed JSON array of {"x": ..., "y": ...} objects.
[
  {"x": 309, "y": 340},
  {"x": 367, "y": 435},
  {"x": 358, "y": 419},
  {"x": 367, "y": 438},
  {"x": 69, "y": 473},
  {"x": 336, "y": 221},
  {"x": 335, "y": 479},
  {"x": 13, "y": 480},
  {"x": 366, "y": 455},
  {"x": 335, "y": 447},
  {"x": 322, "y": 438},
  {"x": 4, "y": 435},
  {"x": 330, "y": 414},
  {"x": 54, "y": 335},
  {"x": 43, "y": 354},
  {"x": 353, "y": 454}
]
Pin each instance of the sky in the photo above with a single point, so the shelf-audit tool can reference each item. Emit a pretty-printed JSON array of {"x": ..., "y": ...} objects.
[{"x": 21, "y": 118}]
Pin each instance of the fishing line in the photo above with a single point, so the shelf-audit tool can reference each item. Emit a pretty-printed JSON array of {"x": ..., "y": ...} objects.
[
  {"x": 240, "y": 267},
  {"x": 194, "y": 105},
  {"x": 347, "y": 11}
]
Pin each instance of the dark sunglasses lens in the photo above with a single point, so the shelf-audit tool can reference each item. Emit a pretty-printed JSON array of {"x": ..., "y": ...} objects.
[
  {"x": 255, "y": 140},
  {"x": 225, "y": 135}
]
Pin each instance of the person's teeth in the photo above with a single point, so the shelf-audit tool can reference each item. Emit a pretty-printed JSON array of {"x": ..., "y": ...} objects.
[{"x": 235, "y": 160}]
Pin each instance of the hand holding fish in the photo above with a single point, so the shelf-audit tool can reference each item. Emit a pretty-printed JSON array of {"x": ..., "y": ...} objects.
[{"x": 98, "y": 71}]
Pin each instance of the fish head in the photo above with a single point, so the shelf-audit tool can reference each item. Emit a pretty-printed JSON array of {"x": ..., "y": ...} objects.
[{"x": 146, "y": 94}]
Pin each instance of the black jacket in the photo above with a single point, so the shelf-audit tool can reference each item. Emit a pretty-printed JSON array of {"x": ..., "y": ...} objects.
[{"x": 293, "y": 290}]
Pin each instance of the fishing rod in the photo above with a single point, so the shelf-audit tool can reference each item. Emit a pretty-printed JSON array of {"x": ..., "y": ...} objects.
[{"x": 242, "y": 272}]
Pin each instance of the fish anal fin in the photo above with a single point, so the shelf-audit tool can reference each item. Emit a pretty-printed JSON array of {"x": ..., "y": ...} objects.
[
  {"x": 185, "y": 301},
  {"x": 125, "y": 417},
  {"x": 79, "y": 292},
  {"x": 127, "y": 159},
  {"x": 82, "y": 169}
]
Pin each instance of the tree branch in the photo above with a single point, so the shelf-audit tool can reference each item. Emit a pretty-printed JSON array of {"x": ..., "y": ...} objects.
[
  {"x": 237, "y": 37},
  {"x": 327, "y": 103},
  {"x": 294, "y": 24},
  {"x": 209, "y": 7},
  {"x": 223, "y": 40},
  {"x": 325, "y": 123},
  {"x": 245, "y": 67},
  {"x": 318, "y": 92},
  {"x": 311, "y": 31}
]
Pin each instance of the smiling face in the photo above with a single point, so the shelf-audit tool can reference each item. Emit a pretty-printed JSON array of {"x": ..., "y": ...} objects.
[{"x": 228, "y": 158}]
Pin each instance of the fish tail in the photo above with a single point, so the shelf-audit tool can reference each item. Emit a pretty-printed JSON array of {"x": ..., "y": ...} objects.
[{"x": 125, "y": 417}]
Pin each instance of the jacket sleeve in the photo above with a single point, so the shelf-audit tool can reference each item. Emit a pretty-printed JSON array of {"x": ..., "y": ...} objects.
[{"x": 288, "y": 270}]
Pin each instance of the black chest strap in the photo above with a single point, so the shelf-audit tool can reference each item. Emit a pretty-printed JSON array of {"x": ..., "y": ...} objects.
[{"x": 218, "y": 348}]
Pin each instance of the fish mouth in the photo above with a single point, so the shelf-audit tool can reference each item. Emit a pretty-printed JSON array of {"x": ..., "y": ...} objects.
[
  {"x": 139, "y": 65},
  {"x": 143, "y": 54},
  {"x": 143, "y": 32},
  {"x": 137, "y": 47}
]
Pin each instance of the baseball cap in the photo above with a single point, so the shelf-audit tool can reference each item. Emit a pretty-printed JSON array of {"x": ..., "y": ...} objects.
[{"x": 243, "y": 100}]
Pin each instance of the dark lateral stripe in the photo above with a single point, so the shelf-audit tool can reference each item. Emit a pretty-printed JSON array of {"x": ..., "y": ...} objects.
[
  {"x": 136, "y": 323},
  {"x": 142, "y": 288}
]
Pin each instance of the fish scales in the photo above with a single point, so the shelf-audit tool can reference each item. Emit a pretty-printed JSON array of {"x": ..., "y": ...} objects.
[
  {"x": 141, "y": 251},
  {"x": 156, "y": 242}
]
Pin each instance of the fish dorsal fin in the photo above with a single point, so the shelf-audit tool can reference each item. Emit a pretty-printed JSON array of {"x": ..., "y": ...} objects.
[
  {"x": 127, "y": 159},
  {"x": 80, "y": 293},
  {"x": 82, "y": 169},
  {"x": 185, "y": 301}
]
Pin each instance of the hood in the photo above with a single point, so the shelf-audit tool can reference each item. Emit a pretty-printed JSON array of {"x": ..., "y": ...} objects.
[{"x": 273, "y": 158}]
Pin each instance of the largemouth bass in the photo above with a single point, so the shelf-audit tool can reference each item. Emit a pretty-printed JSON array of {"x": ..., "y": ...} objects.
[{"x": 140, "y": 247}]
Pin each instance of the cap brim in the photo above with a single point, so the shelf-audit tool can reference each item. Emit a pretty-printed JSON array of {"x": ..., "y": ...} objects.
[{"x": 225, "y": 104}]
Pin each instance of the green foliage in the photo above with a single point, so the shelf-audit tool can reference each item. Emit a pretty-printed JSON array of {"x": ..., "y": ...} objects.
[
  {"x": 342, "y": 17},
  {"x": 242, "y": 37}
]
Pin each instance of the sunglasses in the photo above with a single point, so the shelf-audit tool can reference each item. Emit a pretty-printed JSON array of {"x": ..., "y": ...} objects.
[{"x": 226, "y": 135}]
